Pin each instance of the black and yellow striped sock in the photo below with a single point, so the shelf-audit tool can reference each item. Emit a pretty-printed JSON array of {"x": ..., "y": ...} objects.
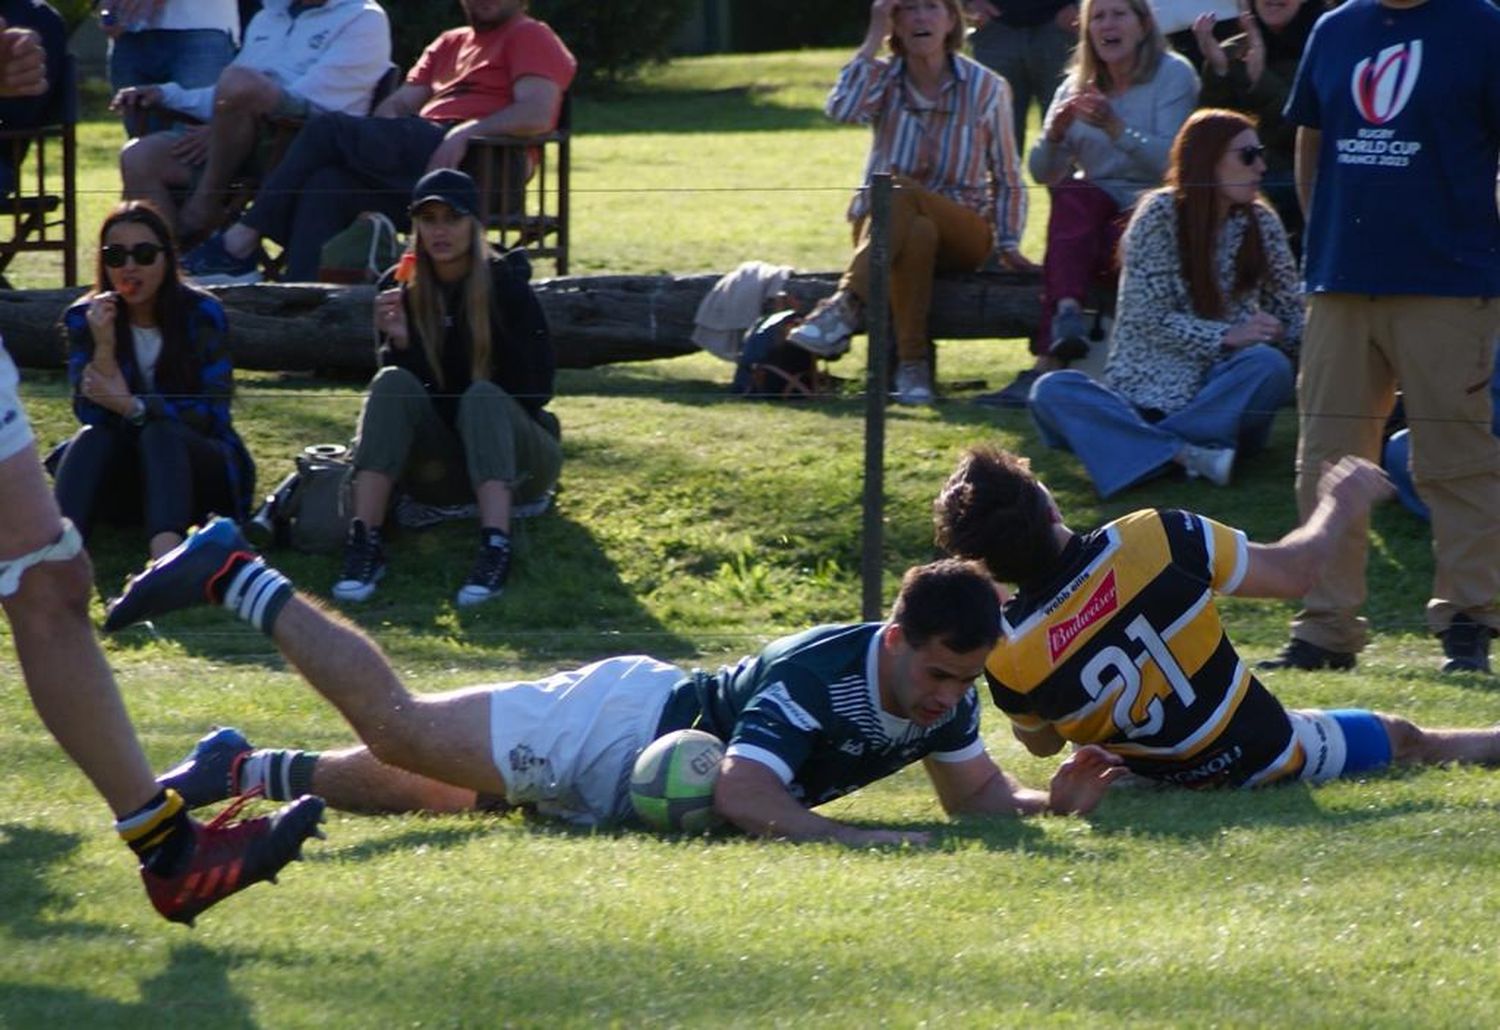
[{"x": 158, "y": 832}]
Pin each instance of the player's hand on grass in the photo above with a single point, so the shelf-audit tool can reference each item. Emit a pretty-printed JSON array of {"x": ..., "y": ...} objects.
[{"x": 1081, "y": 781}]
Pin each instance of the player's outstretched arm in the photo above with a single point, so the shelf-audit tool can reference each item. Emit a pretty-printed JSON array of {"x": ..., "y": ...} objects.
[
  {"x": 1291, "y": 566},
  {"x": 980, "y": 787},
  {"x": 752, "y": 797}
]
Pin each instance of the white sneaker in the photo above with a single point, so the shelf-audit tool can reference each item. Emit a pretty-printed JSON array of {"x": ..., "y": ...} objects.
[
  {"x": 1211, "y": 463},
  {"x": 913, "y": 383},
  {"x": 827, "y": 329}
]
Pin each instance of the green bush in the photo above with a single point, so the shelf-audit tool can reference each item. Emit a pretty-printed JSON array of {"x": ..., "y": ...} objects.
[
  {"x": 73, "y": 11},
  {"x": 611, "y": 41}
]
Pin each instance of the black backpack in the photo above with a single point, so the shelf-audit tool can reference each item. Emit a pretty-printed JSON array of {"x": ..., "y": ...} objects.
[{"x": 771, "y": 366}]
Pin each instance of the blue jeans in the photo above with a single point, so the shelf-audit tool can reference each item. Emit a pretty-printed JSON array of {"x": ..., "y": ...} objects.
[
  {"x": 1120, "y": 446},
  {"x": 1396, "y": 459},
  {"x": 192, "y": 58}
]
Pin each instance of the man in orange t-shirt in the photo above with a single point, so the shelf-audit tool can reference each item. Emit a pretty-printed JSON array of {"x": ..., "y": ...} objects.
[{"x": 505, "y": 73}]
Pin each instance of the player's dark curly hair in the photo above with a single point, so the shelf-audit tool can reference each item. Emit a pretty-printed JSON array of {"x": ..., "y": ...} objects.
[
  {"x": 950, "y": 601},
  {"x": 993, "y": 510}
]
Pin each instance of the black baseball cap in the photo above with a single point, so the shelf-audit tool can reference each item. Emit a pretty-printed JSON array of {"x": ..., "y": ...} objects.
[{"x": 449, "y": 186}]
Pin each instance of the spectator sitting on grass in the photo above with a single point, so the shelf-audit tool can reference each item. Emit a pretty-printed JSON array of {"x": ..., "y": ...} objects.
[
  {"x": 1210, "y": 313},
  {"x": 301, "y": 58},
  {"x": 1113, "y": 638},
  {"x": 943, "y": 127},
  {"x": 1104, "y": 142},
  {"x": 148, "y": 360},
  {"x": 503, "y": 74},
  {"x": 457, "y": 412},
  {"x": 152, "y": 42},
  {"x": 810, "y": 718}
]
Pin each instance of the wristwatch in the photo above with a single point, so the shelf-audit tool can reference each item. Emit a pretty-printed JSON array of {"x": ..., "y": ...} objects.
[{"x": 137, "y": 416}]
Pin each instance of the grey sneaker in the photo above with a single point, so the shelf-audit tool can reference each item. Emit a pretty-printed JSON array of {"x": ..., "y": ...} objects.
[
  {"x": 1211, "y": 463},
  {"x": 913, "y": 383},
  {"x": 827, "y": 329},
  {"x": 1070, "y": 334}
]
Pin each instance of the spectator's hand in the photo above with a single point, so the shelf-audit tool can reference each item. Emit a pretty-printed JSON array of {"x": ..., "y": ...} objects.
[
  {"x": 1079, "y": 784},
  {"x": 1208, "y": 45},
  {"x": 1255, "y": 44},
  {"x": 1258, "y": 328},
  {"x": 191, "y": 148},
  {"x": 980, "y": 12},
  {"x": 101, "y": 319},
  {"x": 136, "y": 98},
  {"x": 1066, "y": 19},
  {"x": 23, "y": 63},
  {"x": 1062, "y": 119},
  {"x": 882, "y": 14},
  {"x": 449, "y": 153},
  {"x": 1094, "y": 109},
  {"x": 107, "y": 388},
  {"x": 1012, "y": 260},
  {"x": 1355, "y": 483},
  {"x": 390, "y": 318}
]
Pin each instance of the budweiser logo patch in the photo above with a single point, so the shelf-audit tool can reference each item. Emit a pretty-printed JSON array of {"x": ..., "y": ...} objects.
[{"x": 1101, "y": 602}]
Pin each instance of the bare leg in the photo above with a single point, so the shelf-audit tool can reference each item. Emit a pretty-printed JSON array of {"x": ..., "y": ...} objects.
[
  {"x": 151, "y": 171},
  {"x": 370, "y": 493},
  {"x": 442, "y": 736},
  {"x": 65, "y": 671},
  {"x": 494, "y": 504},
  {"x": 356, "y": 781},
  {"x": 242, "y": 98},
  {"x": 1413, "y": 745}
]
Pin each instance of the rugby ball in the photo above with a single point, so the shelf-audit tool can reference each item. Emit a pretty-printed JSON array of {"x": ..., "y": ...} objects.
[{"x": 672, "y": 785}]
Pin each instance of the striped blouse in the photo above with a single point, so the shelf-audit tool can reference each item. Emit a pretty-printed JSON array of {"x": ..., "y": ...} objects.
[{"x": 961, "y": 146}]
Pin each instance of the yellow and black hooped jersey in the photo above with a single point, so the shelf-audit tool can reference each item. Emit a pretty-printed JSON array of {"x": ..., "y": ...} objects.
[{"x": 1124, "y": 648}]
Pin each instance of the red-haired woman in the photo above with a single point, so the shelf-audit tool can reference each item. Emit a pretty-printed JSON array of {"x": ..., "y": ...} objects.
[
  {"x": 1210, "y": 315},
  {"x": 151, "y": 375}
]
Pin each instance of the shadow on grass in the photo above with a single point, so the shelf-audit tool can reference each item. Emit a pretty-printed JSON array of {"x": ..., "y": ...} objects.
[
  {"x": 30, "y": 907},
  {"x": 194, "y": 987},
  {"x": 565, "y": 600},
  {"x": 1190, "y": 815}
]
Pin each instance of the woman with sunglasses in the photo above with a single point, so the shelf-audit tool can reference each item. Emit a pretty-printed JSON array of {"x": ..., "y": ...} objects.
[
  {"x": 1210, "y": 317},
  {"x": 151, "y": 377},
  {"x": 457, "y": 413}
]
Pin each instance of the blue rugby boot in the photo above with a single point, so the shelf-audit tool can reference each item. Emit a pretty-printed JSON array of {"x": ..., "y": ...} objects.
[
  {"x": 196, "y": 571},
  {"x": 210, "y": 772}
]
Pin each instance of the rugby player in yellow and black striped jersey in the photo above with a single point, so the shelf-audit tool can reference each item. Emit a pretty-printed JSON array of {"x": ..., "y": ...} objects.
[{"x": 1113, "y": 637}]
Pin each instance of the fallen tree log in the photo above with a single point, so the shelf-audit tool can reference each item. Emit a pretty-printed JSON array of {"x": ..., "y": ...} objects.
[{"x": 595, "y": 320}]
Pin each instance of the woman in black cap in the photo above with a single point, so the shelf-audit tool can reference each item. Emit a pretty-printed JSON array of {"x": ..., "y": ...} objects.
[{"x": 456, "y": 412}]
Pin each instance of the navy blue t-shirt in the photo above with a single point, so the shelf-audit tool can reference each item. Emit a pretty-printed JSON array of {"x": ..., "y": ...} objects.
[{"x": 1408, "y": 104}]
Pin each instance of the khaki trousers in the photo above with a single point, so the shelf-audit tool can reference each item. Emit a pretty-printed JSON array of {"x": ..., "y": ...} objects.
[
  {"x": 1441, "y": 351},
  {"x": 929, "y": 234}
]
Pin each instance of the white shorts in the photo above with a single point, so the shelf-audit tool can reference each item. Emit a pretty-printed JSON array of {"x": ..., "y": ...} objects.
[
  {"x": 567, "y": 744},
  {"x": 15, "y": 431}
]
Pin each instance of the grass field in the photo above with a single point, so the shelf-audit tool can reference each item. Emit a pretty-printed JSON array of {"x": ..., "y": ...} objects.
[{"x": 696, "y": 527}]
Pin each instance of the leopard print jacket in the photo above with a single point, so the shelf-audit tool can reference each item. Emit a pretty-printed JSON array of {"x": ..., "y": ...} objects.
[{"x": 1162, "y": 350}]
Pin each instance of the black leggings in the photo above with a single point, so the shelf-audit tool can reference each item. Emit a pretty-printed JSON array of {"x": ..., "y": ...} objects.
[{"x": 164, "y": 474}]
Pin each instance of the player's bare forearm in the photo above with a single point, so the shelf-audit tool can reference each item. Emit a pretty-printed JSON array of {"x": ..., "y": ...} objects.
[
  {"x": 1002, "y": 794},
  {"x": 750, "y": 796},
  {"x": 1043, "y": 742}
]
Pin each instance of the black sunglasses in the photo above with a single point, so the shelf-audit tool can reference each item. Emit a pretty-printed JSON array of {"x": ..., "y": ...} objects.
[
  {"x": 1251, "y": 154},
  {"x": 116, "y": 254}
]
